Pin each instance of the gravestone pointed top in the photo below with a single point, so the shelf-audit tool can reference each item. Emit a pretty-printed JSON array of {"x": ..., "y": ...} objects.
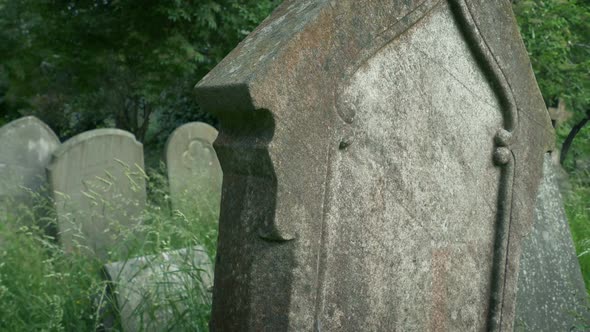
[{"x": 380, "y": 161}]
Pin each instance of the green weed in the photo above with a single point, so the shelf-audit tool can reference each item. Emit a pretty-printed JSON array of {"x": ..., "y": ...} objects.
[{"x": 45, "y": 288}]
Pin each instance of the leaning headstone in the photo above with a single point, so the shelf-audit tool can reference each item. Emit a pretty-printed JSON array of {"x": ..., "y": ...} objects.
[
  {"x": 380, "y": 160},
  {"x": 194, "y": 173},
  {"x": 98, "y": 186},
  {"x": 160, "y": 292},
  {"x": 551, "y": 291},
  {"x": 26, "y": 146}
]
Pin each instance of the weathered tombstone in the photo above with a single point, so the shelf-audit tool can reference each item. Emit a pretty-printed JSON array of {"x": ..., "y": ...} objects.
[
  {"x": 551, "y": 291},
  {"x": 559, "y": 114},
  {"x": 154, "y": 292},
  {"x": 26, "y": 146},
  {"x": 380, "y": 164},
  {"x": 194, "y": 172},
  {"x": 98, "y": 186}
]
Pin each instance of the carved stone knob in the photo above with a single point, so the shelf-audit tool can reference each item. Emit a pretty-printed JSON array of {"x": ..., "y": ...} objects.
[
  {"x": 502, "y": 156},
  {"x": 503, "y": 137}
]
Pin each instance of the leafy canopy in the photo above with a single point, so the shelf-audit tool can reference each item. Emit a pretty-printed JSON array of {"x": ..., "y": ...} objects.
[
  {"x": 92, "y": 63},
  {"x": 557, "y": 36}
]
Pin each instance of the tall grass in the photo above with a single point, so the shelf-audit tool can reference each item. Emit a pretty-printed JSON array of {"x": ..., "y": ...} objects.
[
  {"x": 44, "y": 288},
  {"x": 577, "y": 206},
  {"x": 577, "y": 198}
]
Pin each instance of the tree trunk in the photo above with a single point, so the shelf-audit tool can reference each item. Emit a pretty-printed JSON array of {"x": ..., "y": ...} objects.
[{"x": 570, "y": 137}]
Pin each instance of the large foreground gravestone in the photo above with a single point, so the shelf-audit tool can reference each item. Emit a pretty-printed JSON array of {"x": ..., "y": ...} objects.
[
  {"x": 380, "y": 162},
  {"x": 26, "y": 146},
  {"x": 159, "y": 292},
  {"x": 194, "y": 172},
  {"x": 98, "y": 186},
  {"x": 551, "y": 291}
]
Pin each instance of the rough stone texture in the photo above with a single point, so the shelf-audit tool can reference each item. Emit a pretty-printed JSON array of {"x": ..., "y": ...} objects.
[
  {"x": 551, "y": 291},
  {"x": 194, "y": 172},
  {"x": 26, "y": 146},
  {"x": 98, "y": 185},
  {"x": 380, "y": 162},
  {"x": 152, "y": 291}
]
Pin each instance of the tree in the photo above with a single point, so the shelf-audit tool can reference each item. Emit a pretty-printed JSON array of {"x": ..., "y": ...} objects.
[
  {"x": 14, "y": 27},
  {"x": 557, "y": 36},
  {"x": 97, "y": 63}
]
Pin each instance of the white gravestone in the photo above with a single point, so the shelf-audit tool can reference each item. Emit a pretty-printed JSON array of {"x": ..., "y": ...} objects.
[
  {"x": 98, "y": 184},
  {"x": 194, "y": 172}
]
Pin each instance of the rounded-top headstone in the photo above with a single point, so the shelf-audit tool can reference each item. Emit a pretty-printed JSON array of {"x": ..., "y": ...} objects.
[
  {"x": 26, "y": 146},
  {"x": 194, "y": 171},
  {"x": 99, "y": 190}
]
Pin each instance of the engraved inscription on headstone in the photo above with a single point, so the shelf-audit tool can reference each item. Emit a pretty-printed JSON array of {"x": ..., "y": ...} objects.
[
  {"x": 194, "y": 172},
  {"x": 98, "y": 185},
  {"x": 26, "y": 146},
  {"x": 381, "y": 160}
]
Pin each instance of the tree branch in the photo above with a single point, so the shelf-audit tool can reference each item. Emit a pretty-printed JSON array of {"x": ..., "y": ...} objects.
[{"x": 565, "y": 147}]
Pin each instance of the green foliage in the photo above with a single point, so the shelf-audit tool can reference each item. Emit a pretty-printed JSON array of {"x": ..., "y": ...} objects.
[
  {"x": 43, "y": 288},
  {"x": 86, "y": 64},
  {"x": 578, "y": 212},
  {"x": 580, "y": 148},
  {"x": 556, "y": 34}
]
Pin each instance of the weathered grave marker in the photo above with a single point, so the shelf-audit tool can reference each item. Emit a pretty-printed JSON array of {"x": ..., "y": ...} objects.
[
  {"x": 559, "y": 114},
  {"x": 26, "y": 146},
  {"x": 152, "y": 293},
  {"x": 194, "y": 172},
  {"x": 98, "y": 186},
  {"x": 551, "y": 291},
  {"x": 381, "y": 160}
]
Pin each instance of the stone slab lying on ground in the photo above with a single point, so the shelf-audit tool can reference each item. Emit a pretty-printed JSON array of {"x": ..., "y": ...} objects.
[
  {"x": 98, "y": 186},
  {"x": 380, "y": 160},
  {"x": 26, "y": 146},
  {"x": 152, "y": 292},
  {"x": 551, "y": 291},
  {"x": 194, "y": 173}
]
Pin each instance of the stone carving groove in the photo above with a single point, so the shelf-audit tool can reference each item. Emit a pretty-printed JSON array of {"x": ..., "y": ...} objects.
[{"x": 503, "y": 157}]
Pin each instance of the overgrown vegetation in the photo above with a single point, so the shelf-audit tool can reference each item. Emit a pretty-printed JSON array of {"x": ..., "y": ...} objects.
[
  {"x": 557, "y": 36},
  {"x": 81, "y": 65},
  {"x": 44, "y": 288},
  {"x": 578, "y": 212}
]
